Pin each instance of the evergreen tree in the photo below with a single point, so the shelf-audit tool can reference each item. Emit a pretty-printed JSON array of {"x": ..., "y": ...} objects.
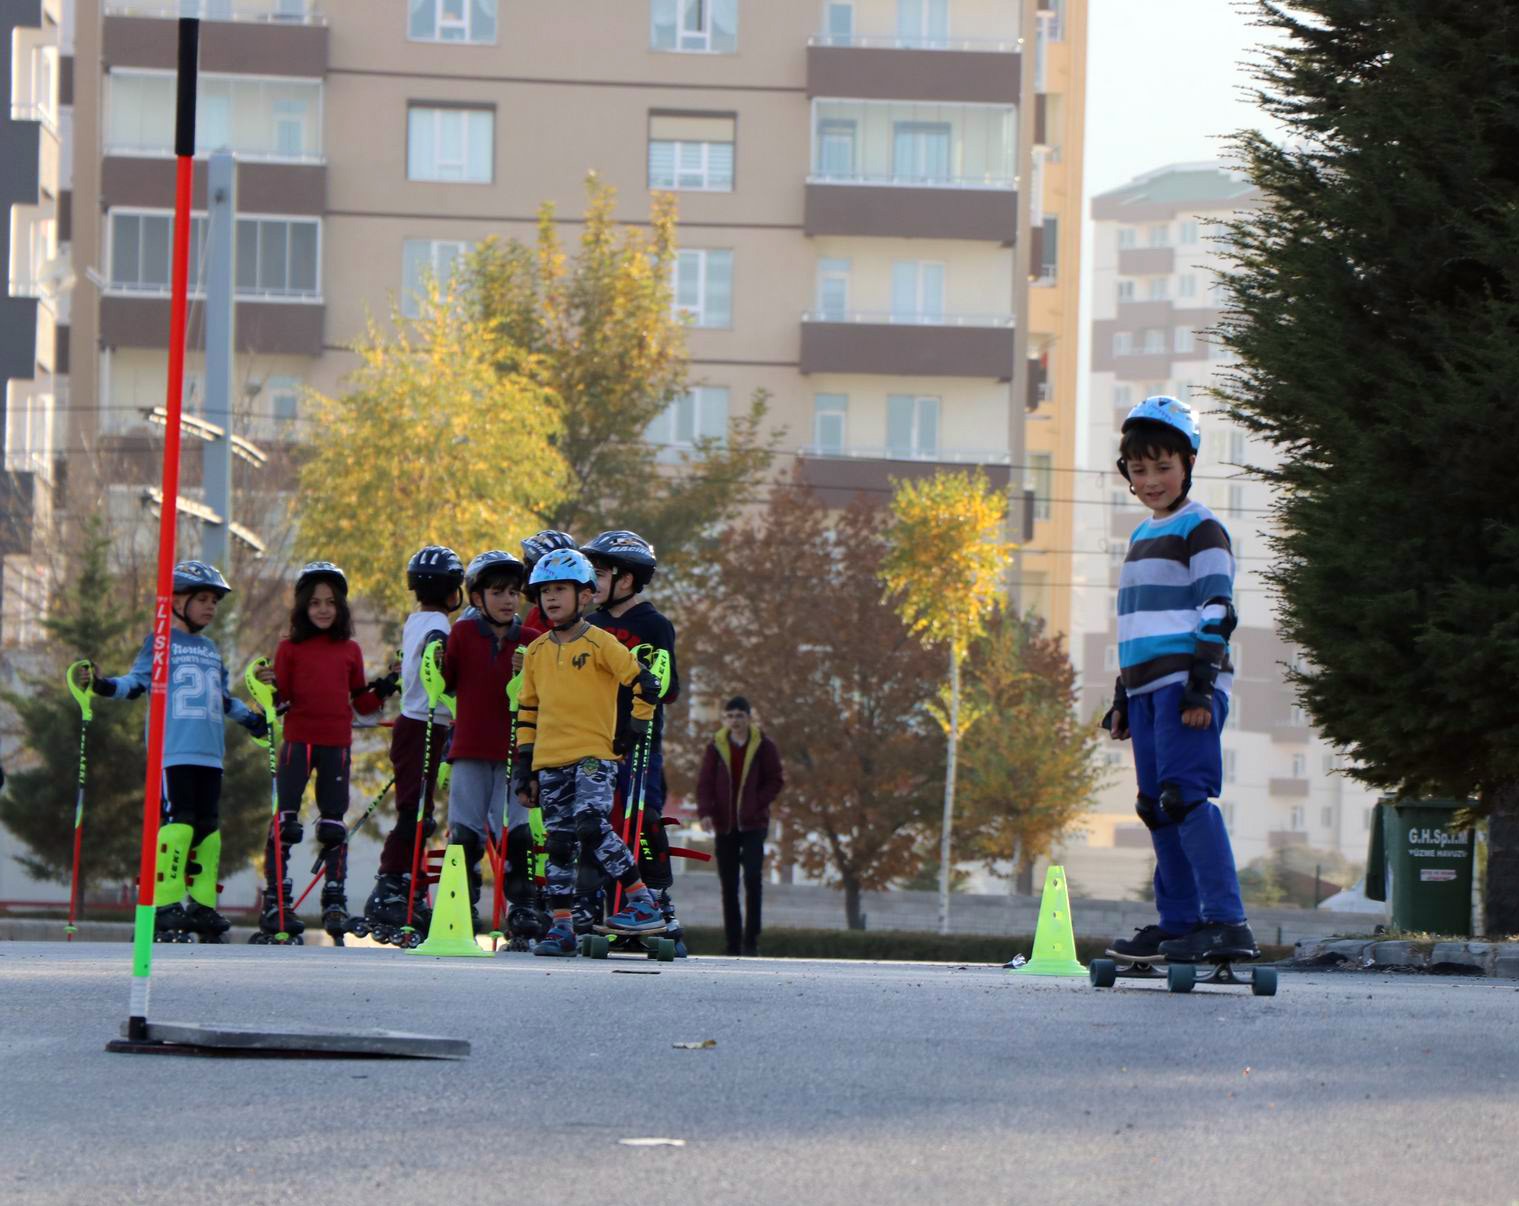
[
  {"x": 1373, "y": 313},
  {"x": 98, "y": 616}
]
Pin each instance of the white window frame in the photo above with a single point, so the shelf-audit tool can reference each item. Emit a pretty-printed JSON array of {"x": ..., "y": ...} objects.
[
  {"x": 440, "y": 23},
  {"x": 166, "y": 151},
  {"x": 1299, "y": 766},
  {"x": 697, "y": 312},
  {"x": 438, "y": 113},
  {"x": 1158, "y": 234},
  {"x": 1128, "y": 237},
  {"x": 697, "y": 38},
  {"x": 923, "y": 312},
  {"x": 1297, "y": 819},
  {"x": 1158, "y": 288},
  {"x": 829, "y": 37},
  {"x": 822, "y": 414},
  {"x": 1123, "y": 343},
  {"x": 924, "y": 37},
  {"x": 1123, "y": 395},
  {"x": 706, "y": 182},
  {"x": 1126, "y": 290},
  {"x": 411, "y": 293},
  {"x": 664, "y": 431},
  {"x": 837, "y": 271},
  {"x": 1186, "y": 285},
  {"x": 1188, "y": 234},
  {"x": 920, "y": 404},
  {"x": 1298, "y": 717},
  {"x": 1154, "y": 341},
  {"x": 196, "y": 288},
  {"x": 1231, "y": 765},
  {"x": 1183, "y": 340},
  {"x": 1041, "y": 465}
]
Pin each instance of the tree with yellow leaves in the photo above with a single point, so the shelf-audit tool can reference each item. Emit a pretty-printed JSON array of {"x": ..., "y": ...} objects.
[
  {"x": 446, "y": 436},
  {"x": 943, "y": 573}
]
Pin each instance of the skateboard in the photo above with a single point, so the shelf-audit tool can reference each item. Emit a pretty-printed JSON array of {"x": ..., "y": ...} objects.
[
  {"x": 603, "y": 942},
  {"x": 1216, "y": 966}
]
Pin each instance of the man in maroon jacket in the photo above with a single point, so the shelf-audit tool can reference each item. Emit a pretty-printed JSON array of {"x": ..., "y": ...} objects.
[{"x": 740, "y": 777}]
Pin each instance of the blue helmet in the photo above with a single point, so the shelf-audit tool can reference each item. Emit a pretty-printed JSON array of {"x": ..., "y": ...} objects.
[
  {"x": 562, "y": 565},
  {"x": 495, "y": 563},
  {"x": 1169, "y": 411},
  {"x": 192, "y": 576}
]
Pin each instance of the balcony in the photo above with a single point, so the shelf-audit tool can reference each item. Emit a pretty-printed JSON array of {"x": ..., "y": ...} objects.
[
  {"x": 1281, "y": 839},
  {"x": 282, "y": 188},
  {"x": 250, "y": 45},
  {"x": 971, "y": 345},
  {"x": 264, "y": 327},
  {"x": 895, "y": 68},
  {"x": 1146, "y": 261},
  {"x": 840, "y": 476},
  {"x": 258, "y": 12},
  {"x": 1296, "y": 789}
]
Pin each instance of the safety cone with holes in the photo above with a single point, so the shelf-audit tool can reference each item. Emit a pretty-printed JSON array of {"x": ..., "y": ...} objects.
[
  {"x": 452, "y": 931},
  {"x": 1054, "y": 940}
]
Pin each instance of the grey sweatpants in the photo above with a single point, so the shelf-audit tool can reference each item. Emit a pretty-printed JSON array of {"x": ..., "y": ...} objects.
[{"x": 477, "y": 798}]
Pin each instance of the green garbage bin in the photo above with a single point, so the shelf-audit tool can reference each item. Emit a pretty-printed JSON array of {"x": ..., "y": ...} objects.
[{"x": 1421, "y": 865}]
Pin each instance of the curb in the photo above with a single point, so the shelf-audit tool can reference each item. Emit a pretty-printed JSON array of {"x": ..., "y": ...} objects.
[
  {"x": 44, "y": 929},
  {"x": 1499, "y": 959}
]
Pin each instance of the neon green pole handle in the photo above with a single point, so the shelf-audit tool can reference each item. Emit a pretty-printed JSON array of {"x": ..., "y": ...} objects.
[
  {"x": 263, "y": 695},
  {"x": 657, "y": 663},
  {"x": 81, "y": 694},
  {"x": 514, "y": 690},
  {"x": 432, "y": 674}
]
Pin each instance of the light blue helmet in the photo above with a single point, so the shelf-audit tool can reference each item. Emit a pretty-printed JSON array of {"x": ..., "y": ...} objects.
[
  {"x": 1173, "y": 412},
  {"x": 192, "y": 576},
  {"x": 562, "y": 565}
]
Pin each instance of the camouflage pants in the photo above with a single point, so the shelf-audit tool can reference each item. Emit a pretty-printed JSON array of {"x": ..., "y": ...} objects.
[{"x": 577, "y": 806}]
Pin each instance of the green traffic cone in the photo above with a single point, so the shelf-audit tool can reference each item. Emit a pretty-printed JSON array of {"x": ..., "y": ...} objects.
[
  {"x": 452, "y": 931},
  {"x": 1054, "y": 940}
]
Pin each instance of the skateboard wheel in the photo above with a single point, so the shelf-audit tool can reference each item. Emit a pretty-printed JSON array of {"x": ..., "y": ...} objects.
[
  {"x": 664, "y": 950},
  {"x": 599, "y": 947},
  {"x": 1103, "y": 973},
  {"x": 1180, "y": 977},
  {"x": 583, "y": 944},
  {"x": 1263, "y": 981}
]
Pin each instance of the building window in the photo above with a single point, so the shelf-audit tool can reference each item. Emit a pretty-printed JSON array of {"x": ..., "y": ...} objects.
[
  {"x": 452, "y": 21},
  {"x": 694, "y": 26},
  {"x": 1299, "y": 766},
  {"x": 1366, "y": 819},
  {"x": 830, "y": 414},
  {"x": 1186, "y": 285},
  {"x": 1041, "y": 479},
  {"x": 424, "y": 260},
  {"x": 703, "y": 287},
  {"x": 1110, "y": 657},
  {"x": 29, "y": 434},
  {"x": 914, "y": 143},
  {"x": 1238, "y": 448},
  {"x": 1155, "y": 340},
  {"x": 1123, "y": 395},
  {"x": 1231, "y": 765},
  {"x": 917, "y": 291},
  {"x": 274, "y": 257},
  {"x": 275, "y": 118},
  {"x": 1298, "y": 717},
  {"x": 1160, "y": 288},
  {"x": 833, "y": 290},
  {"x": 1189, "y": 234},
  {"x": 1326, "y": 817},
  {"x": 691, "y": 152},
  {"x": 923, "y": 23},
  {"x": 701, "y": 413},
  {"x": 1125, "y": 291},
  {"x": 1159, "y": 235},
  {"x": 1127, "y": 237},
  {"x": 1297, "y": 819},
  {"x": 452, "y": 145},
  {"x": 912, "y": 427},
  {"x": 1123, "y": 343},
  {"x": 838, "y": 22},
  {"x": 1182, "y": 340},
  {"x": 1236, "y": 501},
  {"x": 1049, "y": 249},
  {"x": 920, "y": 152}
]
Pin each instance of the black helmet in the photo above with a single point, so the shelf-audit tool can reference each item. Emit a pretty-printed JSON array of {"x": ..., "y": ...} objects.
[
  {"x": 534, "y": 547},
  {"x": 492, "y": 564},
  {"x": 192, "y": 576},
  {"x": 624, "y": 550},
  {"x": 434, "y": 565},
  {"x": 323, "y": 571}
]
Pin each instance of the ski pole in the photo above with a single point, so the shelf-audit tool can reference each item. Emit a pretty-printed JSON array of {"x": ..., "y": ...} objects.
[
  {"x": 86, "y": 714},
  {"x": 498, "y": 859},
  {"x": 319, "y": 868},
  {"x": 432, "y": 683},
  {"x": 263, "y": 695},
  {"x": 657, "y": 661}
]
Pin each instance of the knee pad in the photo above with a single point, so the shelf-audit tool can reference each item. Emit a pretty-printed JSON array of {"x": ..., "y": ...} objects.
[
  {"x": 472, "y": 841},
  {"x": 654, "y": 855},
  {"x": 202, "y": 868},
  {"x": 519, "y": 857},
  {"x": 1175, "y": 808},
  {"x": 588, "y": 829},
  {"x": 561, "y": 849},
  {"x": 291, "y": 831},
  {"x": 330, "y": 832},
  {"x": 1148, "y": 809},
  {"x": 429, "y": 826}
]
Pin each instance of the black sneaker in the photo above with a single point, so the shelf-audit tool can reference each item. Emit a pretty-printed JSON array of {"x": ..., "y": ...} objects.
[
  {"x": 1144, "y": 945},
  {"x": 1212, "y": 940}
]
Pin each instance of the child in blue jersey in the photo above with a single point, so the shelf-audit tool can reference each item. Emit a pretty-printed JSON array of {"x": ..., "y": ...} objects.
[
  {"x": 196, "y": 712},
  {"x": 1175, "y": 616}
]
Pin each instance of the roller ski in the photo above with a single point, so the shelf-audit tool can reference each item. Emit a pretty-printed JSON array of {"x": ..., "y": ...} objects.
[
  {"x": 206, "y": 923},
  {"x": 335, "y": 912},
  {"x": 525, "y": 924},
  {"x": 638, "y": 928},
  {"x": 170, "y": 924},
  {"x": 384, "y": 917},
  {"x": 277, "y": 924},
  {"x": 1209, "y": 954}
]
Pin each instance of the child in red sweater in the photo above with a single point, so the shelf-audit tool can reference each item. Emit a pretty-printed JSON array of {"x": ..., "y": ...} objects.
[
  {"x": 477, "y": 665},
  {"x": 319, "y": 682}
]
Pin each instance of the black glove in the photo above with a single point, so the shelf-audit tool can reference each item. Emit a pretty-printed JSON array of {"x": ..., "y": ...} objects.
[
  {"x": 1116, "y": 720},
  {"x": 257, "y": 725},
  {"x": 1199, "y": 689},
  {"x": 99, "y": 684},
  {"x": 385, "y": 686},
  {"x": 524, "y": 778}
]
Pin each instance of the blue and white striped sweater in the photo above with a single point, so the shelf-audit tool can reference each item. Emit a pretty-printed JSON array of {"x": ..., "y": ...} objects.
[{"x": 1174, "y": 567}]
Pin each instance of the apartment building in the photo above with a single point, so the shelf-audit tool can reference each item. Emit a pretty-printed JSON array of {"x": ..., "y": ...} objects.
[
  {"x": 877, "y": 212},
  {"x": 1158, "y": 251}
]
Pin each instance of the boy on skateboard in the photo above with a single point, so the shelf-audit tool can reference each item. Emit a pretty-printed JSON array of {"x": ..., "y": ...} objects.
[
  {"x": 1175, "y": 616},
  {"x": 567, "y": 744}
]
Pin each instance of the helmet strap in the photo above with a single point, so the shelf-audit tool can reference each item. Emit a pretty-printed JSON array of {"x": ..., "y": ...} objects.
[{"x": 192, "y": 629}]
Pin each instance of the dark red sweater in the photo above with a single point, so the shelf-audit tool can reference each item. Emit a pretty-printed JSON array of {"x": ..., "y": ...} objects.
[
  {"x": 476, "y": 669},
  {"x": 322, "y": 680}
]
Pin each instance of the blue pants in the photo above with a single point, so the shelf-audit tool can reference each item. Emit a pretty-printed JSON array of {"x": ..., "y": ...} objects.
[{"x": 1195, "y": 879}]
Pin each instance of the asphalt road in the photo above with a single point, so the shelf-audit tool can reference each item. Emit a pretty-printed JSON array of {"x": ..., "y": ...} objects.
[{"x": 830, "y": 1082}]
